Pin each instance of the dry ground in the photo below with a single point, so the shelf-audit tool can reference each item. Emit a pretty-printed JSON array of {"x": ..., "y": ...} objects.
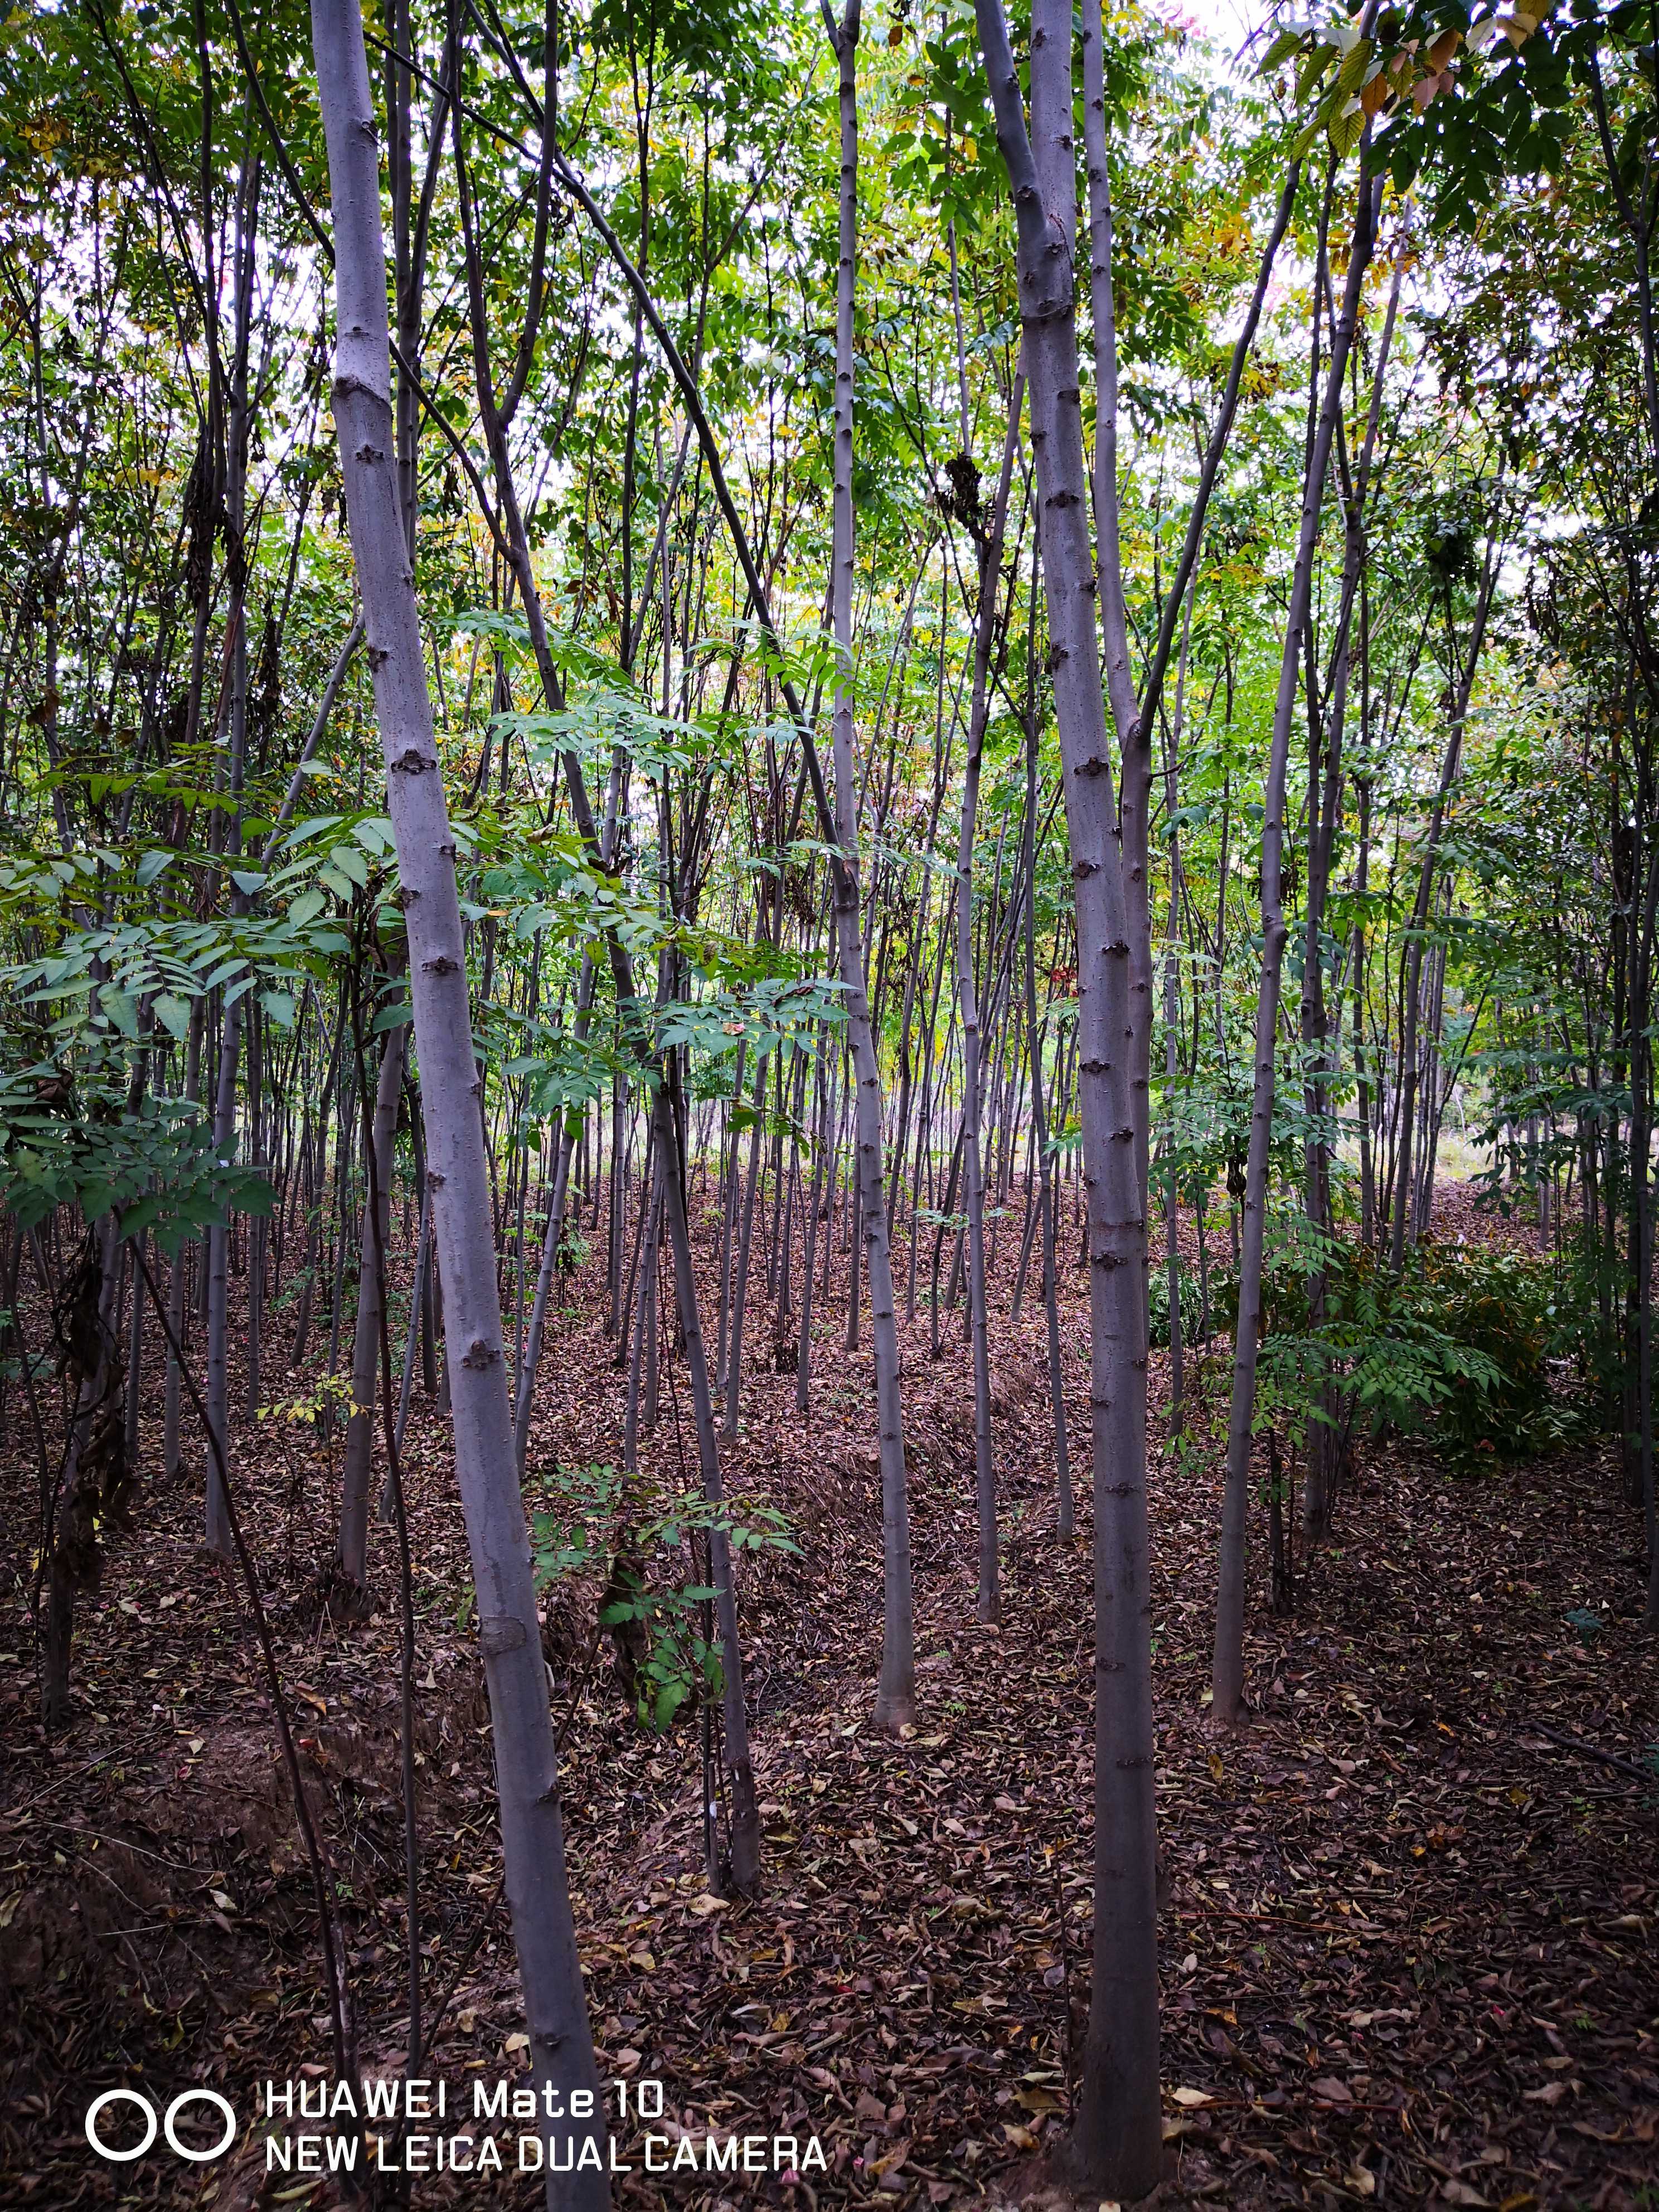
[{"x": 1408, "y": 1953}]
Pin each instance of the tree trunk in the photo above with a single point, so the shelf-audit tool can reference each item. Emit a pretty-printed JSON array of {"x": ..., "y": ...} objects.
[
  {"x": 509, "y": 1629},
  {"x": 989, "y": 1607},
  {"x": 739, "y": 1773},
  {"x": 85, "y": 1483},
  {"x": 745, "y": 1241},
  {"x": 353, "y": 1557},
  {"x": 1115, "y": 2145},
  {"x": 896, "y": 1691},
  {"x": 1227, "y": 1680}
]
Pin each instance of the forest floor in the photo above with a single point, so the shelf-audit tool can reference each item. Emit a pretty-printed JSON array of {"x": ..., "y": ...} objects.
[{"x": 1409, "y": 1949}]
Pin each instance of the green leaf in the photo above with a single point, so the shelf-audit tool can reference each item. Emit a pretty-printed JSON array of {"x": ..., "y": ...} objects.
[
  {"x": 1286, "y": 43},
  {"x": 1313, "y": 68},
  {"x": 1344, "y": 128},
  {"x": 1357, "y": 61}
]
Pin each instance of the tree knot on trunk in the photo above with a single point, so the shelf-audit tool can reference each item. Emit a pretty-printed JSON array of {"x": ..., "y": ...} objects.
[{"x": 479, "y": 1355}]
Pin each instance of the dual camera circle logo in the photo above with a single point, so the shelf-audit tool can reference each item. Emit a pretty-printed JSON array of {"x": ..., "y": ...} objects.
[{"x": 168, "y": 2124}]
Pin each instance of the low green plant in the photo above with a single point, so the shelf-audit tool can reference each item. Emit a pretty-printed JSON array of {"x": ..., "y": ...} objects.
[
  {"x": 597, "y": 1524},
  {"x": 1157, "y": 1302},
  {"x": 1460, "y": 1346}
]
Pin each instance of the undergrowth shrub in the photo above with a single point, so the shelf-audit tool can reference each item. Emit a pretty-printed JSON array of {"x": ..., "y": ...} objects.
[
  {"x": 1503, "y": 1306},
  {"x": 1465, "y": 1347},
  {"x": 1157, "y": 1302}
]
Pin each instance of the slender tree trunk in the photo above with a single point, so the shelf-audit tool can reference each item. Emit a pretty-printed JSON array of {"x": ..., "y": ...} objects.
[
  {"x": 217, "y": 1533},
  {"x": 84, "y": 1484},
  {"x": 509, "y": 1628},
  {"x": 1227, "y": 1680},
  {"x": 1115, "y": 2145},
  {"x": 896, "y": 1691},
  {"x": 739, "y": 1772},
  {"x": 809, "y": 1241},
  {"x": 1041, "y": 1166},
  {"x": 1325, "y": 776},
  {"x": 745, "y": 1238},
  {"x": 552, "y": 1238},
  {"x": 990, "y": 574},
  {"x": 177, "y": 1266},
  {"x": 353, "y": 1557}
]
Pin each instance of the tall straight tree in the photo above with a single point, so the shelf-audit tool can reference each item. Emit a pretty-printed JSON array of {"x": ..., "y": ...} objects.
[
  {"x": 356, "y": 1468},
  {"x": 990, "y": 574},
  {"x": 509, "y": 1630},
  {"x": 1227, "y": 1674},
  {"x": 894, "y": 1703},
  {"x": 1116, "y": 2147},
  {"x": 896, "y": 1691}
]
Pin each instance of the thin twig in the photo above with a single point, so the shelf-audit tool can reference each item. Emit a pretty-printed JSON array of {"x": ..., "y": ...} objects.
[{"x": 1648, "y": 1774}]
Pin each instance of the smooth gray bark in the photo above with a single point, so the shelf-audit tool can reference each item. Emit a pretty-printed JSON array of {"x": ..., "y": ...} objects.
[
  {"x": 1227, "y": 1674},
  {"x": 1325, "y": 779},
  {"x": 509, "y": 1629},
  {"x": 353, "y": 1558},
  {"x": 990, "y": 571},
  {"x": 739, "y": 1771},
  {"x": 746, "y": 1238},
  {"x": 1116, "y": 2145},
  {"x": 895, "y": 1690}
]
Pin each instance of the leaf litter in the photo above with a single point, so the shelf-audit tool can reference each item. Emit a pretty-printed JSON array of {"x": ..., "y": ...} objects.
[{"x": 1408, "y": 1936}]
